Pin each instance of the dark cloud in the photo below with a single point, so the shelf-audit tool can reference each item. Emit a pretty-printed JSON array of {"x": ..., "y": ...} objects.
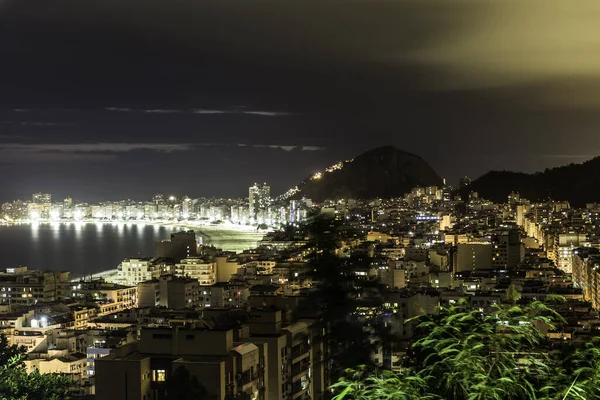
[{"x": 469, "y": 85}]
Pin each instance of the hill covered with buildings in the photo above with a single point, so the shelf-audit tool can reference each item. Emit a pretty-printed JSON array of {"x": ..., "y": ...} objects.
[{"x": 383, "y": 172}]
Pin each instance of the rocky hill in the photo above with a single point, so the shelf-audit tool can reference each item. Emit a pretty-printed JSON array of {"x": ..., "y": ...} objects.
[{"x": 379, "y": 173}]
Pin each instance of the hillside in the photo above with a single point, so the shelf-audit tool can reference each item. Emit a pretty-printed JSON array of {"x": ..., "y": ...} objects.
[
  {"x": 577, "y": 183},
  {"x": 379, "y": 173}
]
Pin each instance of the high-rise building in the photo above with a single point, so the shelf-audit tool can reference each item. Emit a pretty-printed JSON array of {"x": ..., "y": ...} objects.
[
  {"x": 567, "y": 243},
  {"x": 158, "y": 198},
  {"x": 182, "y": 245},
  {"x": 186, "y": 207},
  {"x": 507, "y": 249},
  {"x": 472, "y": 256},
  {"x": 259, "y": 198},
  {"x": 41, "y": 198}
]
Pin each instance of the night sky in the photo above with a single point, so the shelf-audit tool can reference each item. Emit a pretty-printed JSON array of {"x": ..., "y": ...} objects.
[{"x": 108, "y": 99}]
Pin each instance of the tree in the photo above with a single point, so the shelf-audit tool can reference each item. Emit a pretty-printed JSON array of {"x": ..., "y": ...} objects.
[
  {"x": 347, "y": 340},
  {"x": 17, "y": 384},
  {"x": 183, "y": 386},
  {"x": 470, "y": 355}
]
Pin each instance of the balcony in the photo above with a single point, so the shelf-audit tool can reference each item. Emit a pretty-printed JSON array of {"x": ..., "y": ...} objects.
[
  {"x": 299, "y": 369},
  {"x": 247, "y": 378}
]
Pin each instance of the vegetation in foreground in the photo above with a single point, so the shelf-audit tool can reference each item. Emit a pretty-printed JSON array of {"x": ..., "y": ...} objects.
[
  {"x": 17, "y": 384},
  {"x": 469, "y": 355}
]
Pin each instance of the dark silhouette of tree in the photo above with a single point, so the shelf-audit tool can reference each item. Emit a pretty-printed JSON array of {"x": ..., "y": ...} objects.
[
  {"x": 183, "y": 386},
  {"x": 347, "y": 339}
]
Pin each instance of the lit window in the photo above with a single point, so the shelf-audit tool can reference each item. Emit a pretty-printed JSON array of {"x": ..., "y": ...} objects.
[{"x": 159, "y": 375}]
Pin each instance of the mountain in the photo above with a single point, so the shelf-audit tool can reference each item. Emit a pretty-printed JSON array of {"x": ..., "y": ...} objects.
[
  {"x": 576, "y": 183},
  {"x": 383, "y": 172}
]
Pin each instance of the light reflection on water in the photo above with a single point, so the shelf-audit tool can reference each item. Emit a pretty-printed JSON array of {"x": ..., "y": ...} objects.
[{"x": 82, "y": 247}]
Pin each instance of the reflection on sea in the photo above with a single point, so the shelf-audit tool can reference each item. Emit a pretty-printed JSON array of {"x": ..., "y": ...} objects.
[{"x": 98, "y": 246}]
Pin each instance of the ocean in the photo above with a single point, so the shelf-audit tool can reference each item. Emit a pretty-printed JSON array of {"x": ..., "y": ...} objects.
[{"x": 89, "y": 248}]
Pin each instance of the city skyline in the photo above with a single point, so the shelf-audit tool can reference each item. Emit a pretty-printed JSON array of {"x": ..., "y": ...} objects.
[{"x": 205, "y": 96}]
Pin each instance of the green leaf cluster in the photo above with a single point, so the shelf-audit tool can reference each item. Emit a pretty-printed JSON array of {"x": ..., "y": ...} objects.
[
  {"x": 17, "y": 384},
  {"x": 470, "y": 355}
]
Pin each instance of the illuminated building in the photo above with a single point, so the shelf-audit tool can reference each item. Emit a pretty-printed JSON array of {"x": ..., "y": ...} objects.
[
  {"x": 259, "y": 199},
  {"x": 507, "y": 251},
  {"x": 197, "y": 268},
  {"x": 132, "y": 271},
  {"x": 41, "y": 198},
  {"x": 567, "y": 242},
  {"x": 19, "y": 286},
  {"x": 186, "y": 207}
]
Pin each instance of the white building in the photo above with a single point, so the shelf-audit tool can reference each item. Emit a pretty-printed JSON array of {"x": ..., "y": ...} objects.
[
  {"x": 135, "y": 270},
  {"x": 197, "y": 268},
  {"x": 259, "y": 198}
]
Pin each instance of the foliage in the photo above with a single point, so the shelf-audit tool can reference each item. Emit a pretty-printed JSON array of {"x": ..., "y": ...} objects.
[
  {"x": 347, "y": 340},
  {"x": 183, "y": 386},
  {"x": 17, "y": 384},
  {"x": 362, "y": 384},
  {"x": 470, "y": 355}
]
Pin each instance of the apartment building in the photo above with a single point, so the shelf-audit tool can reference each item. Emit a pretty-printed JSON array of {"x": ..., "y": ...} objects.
[
  {"x": 20, "y": 286},
  {"x": 197, "y": 268},
  {"x": 108, "y": 297},
  {"x": 143, "y": 370},
  {"x": 292, "y": 350},
  {"x": 132, "y": 271}
]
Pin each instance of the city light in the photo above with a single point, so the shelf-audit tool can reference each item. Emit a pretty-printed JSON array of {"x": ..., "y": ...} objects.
[
  {"x": 34, "y": 215},
  {"x": 55, "y": 215}
]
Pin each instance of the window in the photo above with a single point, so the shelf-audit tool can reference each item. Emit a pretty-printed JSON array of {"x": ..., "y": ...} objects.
[{"x": 159, "y": 375}]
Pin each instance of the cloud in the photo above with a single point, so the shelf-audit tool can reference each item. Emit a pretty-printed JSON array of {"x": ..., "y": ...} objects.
[
  {"x": 44, "y": 124},
  {"x": 512, "y": 42},
  {"x": 20, "y": 137},
  {"x": 119, "y": 109},
  {"x": 312, "y": 148},
  {"x": 128, "y": 147},
  {"x": 209, "y": 112},
  {"x": 203, "y": 111},
  {"x": 162, "y": 111},
  {"x": 93, "y": 147},
  {"x": 288, "y": 147},
  {"x": 265, "y": 113}
]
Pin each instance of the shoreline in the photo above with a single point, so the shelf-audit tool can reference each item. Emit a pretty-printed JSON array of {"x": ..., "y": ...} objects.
[
  {"x": 187, "y": 224},
  {"x": 203, "y": 230}
]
